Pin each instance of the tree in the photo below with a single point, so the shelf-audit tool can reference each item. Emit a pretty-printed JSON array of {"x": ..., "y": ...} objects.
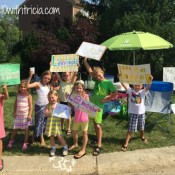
[
  {"x": 37, "y": 48},
  {"x": 116, "y": 17},
  {"x": 9, "y": 36}
]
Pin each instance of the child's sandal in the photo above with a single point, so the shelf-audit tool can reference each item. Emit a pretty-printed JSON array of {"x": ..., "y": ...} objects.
[
  {"x": 68, "y": 132},
  {"x": 1, "y": 165},
  {"x": 10, "y": 144},
  {"x": 97, "y": 151},
  {"x": 25, "y": 147},
  {"x": 124, "y": 148},
  {"x": 65, "y": 152},
  {"x": 144, "y": 140}
]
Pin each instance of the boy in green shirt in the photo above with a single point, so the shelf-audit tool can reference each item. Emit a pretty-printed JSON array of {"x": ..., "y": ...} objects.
[{"x": 103, "y": 91}]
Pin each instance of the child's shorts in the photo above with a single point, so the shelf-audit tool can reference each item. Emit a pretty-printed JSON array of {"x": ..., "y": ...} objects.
[
  {"x": 136, "y": 121},
  {"x": 81, "y": 125},
  {"x": 98, "y": 117}
]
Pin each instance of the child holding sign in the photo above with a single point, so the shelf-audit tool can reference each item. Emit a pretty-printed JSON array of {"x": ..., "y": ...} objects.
[
  {"x": 53, "y": 125},
  {"x": 42, "y": 89},
  {"x": 67, "y": 80},
  {"x": 22, "y": 113},
  {"x": 103, "y": 91},
  {"x": 3, "y": 96},
  {"x": 80, "y": 121},
  {"x": 136, "y": 110}
]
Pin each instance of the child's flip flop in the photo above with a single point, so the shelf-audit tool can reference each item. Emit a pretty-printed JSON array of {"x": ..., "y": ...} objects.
[{"x": 1, "y": 165}]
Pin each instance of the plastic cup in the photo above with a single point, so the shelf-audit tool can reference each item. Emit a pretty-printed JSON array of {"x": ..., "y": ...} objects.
[{"x": 32, "y": 69}]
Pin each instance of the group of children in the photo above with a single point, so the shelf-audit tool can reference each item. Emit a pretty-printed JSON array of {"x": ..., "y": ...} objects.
[{"x": 53, "y": 89}]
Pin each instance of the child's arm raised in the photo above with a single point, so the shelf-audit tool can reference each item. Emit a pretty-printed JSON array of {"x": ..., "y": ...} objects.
[
  {"x": 125, "y": 87},
  {"x": 149, "y": 85},
  {"x": 74, "y": 77},
  {"x": 5, "y": 92},
  {"x": 89, "y": 69},
  {"x": 31, "y": 85}
]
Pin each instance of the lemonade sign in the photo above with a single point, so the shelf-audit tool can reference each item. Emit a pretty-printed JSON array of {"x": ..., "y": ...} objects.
[
  {"x": 134, "y": 74},
  {"x": 64, "y": 63},
  {"x": 82, "y": 104}
]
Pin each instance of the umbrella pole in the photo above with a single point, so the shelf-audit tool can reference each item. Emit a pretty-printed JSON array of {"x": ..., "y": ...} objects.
[{"x": 133, "y": 57}]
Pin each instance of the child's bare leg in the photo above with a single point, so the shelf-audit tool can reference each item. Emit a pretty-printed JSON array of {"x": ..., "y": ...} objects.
[
  {"x": 14, "y": 132},
  {"x": 1, "y": 147},
  {"x": 42, "y": 141},
  {"x": 62, "y": 141},
  {"x": 64, "y": 144},
  {"x": 11, "y": 141},
  {"x": 52, "y": 141},
  {"x": 99, "y": 133},
  {"x": 53, "y": 147},
  {"x": 143, "y": 136},
  {"x": 128, "y": 136},
  {"x": 69, "y": 123},
  {"x": 75, "y": 139},
  {"x": 26, "y": 138},
  {"x": 62, "y": 123},
  {"x": 85, "y": 140},
  {"x": 82, "y": 152}
]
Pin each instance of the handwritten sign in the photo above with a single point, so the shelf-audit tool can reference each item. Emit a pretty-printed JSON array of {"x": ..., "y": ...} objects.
[
  {"x": 82, "y": 104},
  {"x": 134, "y": 74},
  {"x": 169, "y": 75},
  {"x": 9, "y": 74},
  {"x": 90, "y": 50},
  {"x": 64, "y": 63},
  {"x": 61, "y": 111}
]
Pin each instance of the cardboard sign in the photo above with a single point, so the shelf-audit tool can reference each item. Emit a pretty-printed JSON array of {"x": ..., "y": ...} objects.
[
  {"x": 169, "y": 75},
  {"x": 61, "y": 111},
  {"x": 90, "y": 50},
  {"x": 134, "y": 74},
  {"x": 9, "y": 74},
  {"x": 64, "y": 63},
  {"x": 83, "y": 105}
]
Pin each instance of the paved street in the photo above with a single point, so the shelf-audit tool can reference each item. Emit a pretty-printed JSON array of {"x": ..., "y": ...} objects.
[{"x": 156, "y": 161}]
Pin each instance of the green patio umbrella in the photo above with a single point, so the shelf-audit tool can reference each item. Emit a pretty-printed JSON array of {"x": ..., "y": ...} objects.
[{"x": 136, "y": 40}]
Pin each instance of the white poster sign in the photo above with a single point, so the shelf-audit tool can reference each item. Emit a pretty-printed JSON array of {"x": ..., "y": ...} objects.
[
  {"x": 90, "y": 50},
  {"x": 169, "y": 75},
  {"x": 83, "y": 105},
  {"x": 61, "y": 111}
]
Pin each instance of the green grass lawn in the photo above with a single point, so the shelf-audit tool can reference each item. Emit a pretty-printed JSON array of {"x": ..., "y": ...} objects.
[{"x": 114, "y": 132}]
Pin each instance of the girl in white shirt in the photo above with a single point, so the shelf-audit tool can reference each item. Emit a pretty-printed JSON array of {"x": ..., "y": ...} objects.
[{"x": 42, "y": 89}]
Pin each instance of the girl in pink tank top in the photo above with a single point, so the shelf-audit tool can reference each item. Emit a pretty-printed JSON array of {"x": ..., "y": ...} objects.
[{"x": 22, "y": 113}]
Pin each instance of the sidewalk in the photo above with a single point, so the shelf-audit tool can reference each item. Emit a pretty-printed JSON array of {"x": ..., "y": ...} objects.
[{"x": 119, "y": 163}]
